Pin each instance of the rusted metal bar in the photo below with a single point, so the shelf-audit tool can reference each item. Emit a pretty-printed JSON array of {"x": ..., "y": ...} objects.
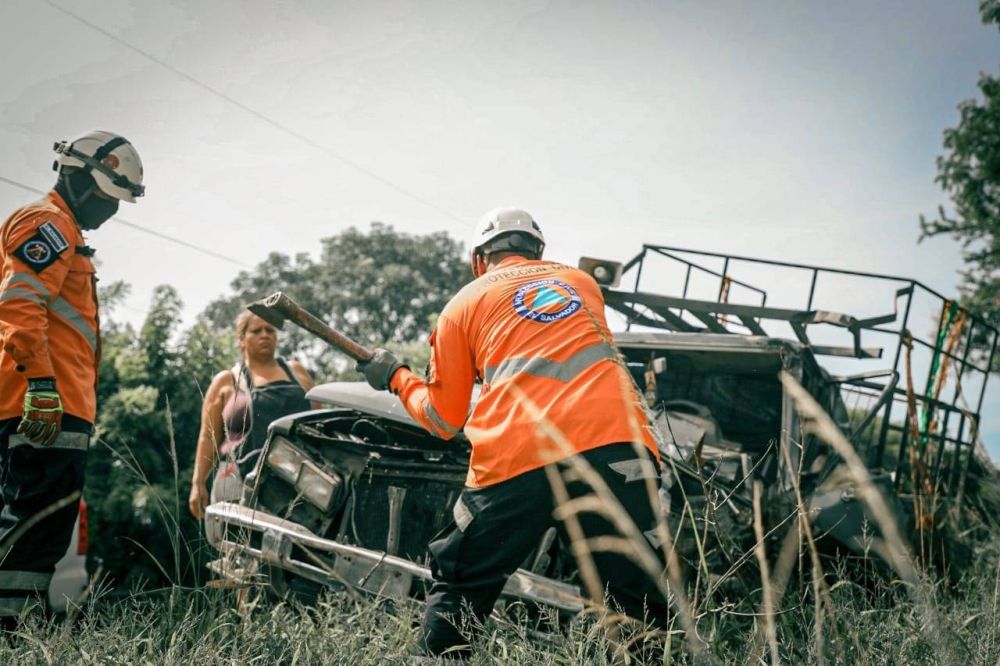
[{"x": 278, "y": 308}]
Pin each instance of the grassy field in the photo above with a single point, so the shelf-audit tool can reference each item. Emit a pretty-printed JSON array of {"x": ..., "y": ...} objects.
[
  {"x": 879, "y": 624},
  {"x": 788, "y": 606}
]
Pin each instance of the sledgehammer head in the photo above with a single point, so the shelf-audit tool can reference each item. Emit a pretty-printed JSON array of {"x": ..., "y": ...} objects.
[{"x": 266, "y": 309}]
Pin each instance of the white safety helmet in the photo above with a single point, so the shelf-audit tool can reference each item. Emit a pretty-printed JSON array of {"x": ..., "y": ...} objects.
[
  {"x": 512, "y": 222},
  {"x": 109, "y": 158}
]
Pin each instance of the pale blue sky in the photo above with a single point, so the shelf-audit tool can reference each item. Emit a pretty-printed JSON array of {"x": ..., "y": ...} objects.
[{"x": 803, "y": 131}]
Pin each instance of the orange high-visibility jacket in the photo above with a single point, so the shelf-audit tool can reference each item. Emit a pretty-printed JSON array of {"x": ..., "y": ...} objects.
[
  {"x": 535, "y": 334},
  {"x": 48, "y": 309}
]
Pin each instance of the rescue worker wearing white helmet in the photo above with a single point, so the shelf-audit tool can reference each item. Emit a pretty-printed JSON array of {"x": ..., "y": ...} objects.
[
  {"x": 534, "y": 333},
  {"x": 51, "y": 347}
]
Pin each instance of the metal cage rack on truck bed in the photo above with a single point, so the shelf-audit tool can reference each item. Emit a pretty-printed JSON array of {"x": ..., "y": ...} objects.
[{"x": 928, "y": 440}]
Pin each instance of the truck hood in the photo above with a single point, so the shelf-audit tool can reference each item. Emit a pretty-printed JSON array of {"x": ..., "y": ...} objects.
[{"x": 362, "y": 397}]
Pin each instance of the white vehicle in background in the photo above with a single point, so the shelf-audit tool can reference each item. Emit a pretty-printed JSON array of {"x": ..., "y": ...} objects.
[{"x": 71, "y": 577}]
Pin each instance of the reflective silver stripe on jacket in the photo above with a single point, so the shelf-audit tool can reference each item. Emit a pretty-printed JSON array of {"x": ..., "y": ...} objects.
[
  {"x": 20, "y": 292},
  {"x": 9, "y": 289},
  {"x": 562, "y": 371},
  {"x": 76, "y": 441},
  {"x": 27, "y": 581},
  {"x": 25, "y": 278},
  {"x": 62, "y": 308},
  {"x": 439, "y": 423}
]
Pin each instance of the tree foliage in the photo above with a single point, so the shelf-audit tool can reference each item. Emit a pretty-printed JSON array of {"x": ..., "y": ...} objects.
[
  {"x": 969, "y": 173},
  {"x": 150, "y": 391},
  {"x": 379, "y": 288},
  {"x": 990, "y": 10}
]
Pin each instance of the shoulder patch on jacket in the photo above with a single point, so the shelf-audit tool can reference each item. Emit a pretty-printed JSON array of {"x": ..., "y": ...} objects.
[
  {"x": 38, "y": 253},
  {"x": 53, "y": 236}
]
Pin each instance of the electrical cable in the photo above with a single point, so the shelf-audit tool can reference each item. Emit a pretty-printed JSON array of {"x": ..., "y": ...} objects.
[
  {"x": 256, "y": 114},
  {"x": 137, "y": 227}
]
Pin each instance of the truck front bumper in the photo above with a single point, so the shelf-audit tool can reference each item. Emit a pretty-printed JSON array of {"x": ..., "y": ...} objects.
[{"x": 332, "y": 563}]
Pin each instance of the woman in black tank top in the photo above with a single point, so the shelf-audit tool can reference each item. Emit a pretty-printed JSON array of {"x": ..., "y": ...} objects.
[
  {"x": 253, "y": 408},
  {"x": 239, "y": 405}
]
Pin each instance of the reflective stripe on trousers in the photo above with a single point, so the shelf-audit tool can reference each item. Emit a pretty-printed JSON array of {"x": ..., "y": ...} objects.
[
  {"x": 14, "y": 606},
  {"x": 77, "y": 441},
  {"x": 19, "y": 589}
]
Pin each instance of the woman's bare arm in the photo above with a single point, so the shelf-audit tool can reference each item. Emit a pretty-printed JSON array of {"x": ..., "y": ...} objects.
[
  {"x": 209, "y": 437},
  {"x": 304, "y": 378}
]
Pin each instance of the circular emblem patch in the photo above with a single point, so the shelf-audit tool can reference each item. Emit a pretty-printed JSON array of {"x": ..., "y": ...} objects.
[
  {"x": 546, "y": 301},
  {"x": 37, "y": 252}
]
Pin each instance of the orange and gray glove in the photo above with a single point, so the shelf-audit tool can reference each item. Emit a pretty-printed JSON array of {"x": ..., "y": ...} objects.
[
  {"x": 43, "y": 410},
  {"x": 380, "y": 369}
]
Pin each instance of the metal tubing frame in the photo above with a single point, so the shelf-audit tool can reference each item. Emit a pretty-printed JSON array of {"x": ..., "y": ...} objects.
[
  {"x": 665, "y": 252},
  {"x": 930, "y": 383},
  {"x": 887, "y": 391},
  {"x": 989, "y": 366},
  {"x": 961, "y": 361},
  {"x": 886, "y": 418},
  {"x": 812, "y": 289}
]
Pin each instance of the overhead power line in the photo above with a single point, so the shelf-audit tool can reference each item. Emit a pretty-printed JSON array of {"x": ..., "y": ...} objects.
[
  {"x": 256, "y": 114},
  {"x": 137, "y": 227}
]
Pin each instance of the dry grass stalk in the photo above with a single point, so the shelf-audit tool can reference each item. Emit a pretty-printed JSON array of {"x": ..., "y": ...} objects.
[
  {"x": 687, "y": 512},
  {"x": 640, "y": 550},
  {"x": 745, "y": 557},
  {"x": 891, "y": 546},
  {"x": 13, "y": 537},
  {"x": 790, "y": 548},
  {"x": 919, "y": 475},
  {"x": 634, "y": 395},
  {"x": 821, "y": 596},
  {"x": 767, "y": 590},
  {"x": 578, "y": 543}
]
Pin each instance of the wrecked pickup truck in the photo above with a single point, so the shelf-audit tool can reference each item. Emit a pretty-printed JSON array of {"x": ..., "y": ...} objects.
[{"x": 347, "y": 497}]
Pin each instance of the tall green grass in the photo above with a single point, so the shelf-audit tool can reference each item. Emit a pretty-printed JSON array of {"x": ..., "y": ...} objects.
[
  {"x": 814, "y": 613},
  {"x": 876, "y": 625}
]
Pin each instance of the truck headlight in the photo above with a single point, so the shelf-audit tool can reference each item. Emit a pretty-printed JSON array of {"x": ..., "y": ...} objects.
[
  {"x": 285, "y": 459},
  {"x": 320, "y": 488}
]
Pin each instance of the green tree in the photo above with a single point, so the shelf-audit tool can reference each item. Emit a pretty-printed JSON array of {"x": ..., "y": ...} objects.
[
  {"x": 382, "y": 287},
  {"x": 150, "y": 396},
  {"x": 969, "y": 173}
]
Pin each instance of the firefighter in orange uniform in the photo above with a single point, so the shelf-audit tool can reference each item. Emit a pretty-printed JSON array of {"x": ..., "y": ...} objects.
[
  {"x": 534, "y": 333},
  {"x": 51, "y": 348}
]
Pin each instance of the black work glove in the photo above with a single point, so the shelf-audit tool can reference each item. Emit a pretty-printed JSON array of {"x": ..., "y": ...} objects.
[
  {"x": 43, "y": 410},
  {"x": 380, "y": 369}
]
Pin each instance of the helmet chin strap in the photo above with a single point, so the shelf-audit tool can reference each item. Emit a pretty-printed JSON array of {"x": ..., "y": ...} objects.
[
  {"x": 75, "y": 200},
  {"x": 78, "y": 189}
]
